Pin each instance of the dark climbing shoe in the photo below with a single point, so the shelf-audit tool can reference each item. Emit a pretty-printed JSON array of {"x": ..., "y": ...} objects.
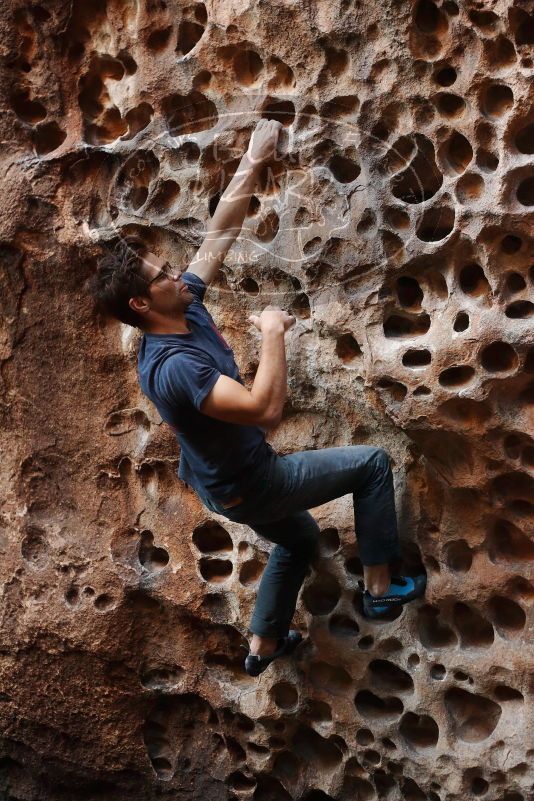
[
  {"x": 254, "y": 665},
  {"x": 402, "y": 590}
]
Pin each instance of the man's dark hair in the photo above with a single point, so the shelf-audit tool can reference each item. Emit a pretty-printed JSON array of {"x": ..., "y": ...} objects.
[{"x": 118, "y": 278}]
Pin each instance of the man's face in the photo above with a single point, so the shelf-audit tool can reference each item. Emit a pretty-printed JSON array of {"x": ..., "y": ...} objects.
[{"x": 166, "y": 294}]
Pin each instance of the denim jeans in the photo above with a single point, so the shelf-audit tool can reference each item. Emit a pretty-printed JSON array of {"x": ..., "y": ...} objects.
[{"x": 276, "y": 497}]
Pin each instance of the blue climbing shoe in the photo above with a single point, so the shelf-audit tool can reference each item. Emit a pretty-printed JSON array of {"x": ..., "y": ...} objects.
[
  {"x": 254, "y": 665},
  {"x": 402, "y": 590}
]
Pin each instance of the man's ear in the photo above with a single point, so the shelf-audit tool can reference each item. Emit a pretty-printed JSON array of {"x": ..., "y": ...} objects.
[{"x": 139, "y": 304}]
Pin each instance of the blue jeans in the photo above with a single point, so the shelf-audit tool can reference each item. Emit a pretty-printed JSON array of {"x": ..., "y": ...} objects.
[{"x": 276, "y": 497}]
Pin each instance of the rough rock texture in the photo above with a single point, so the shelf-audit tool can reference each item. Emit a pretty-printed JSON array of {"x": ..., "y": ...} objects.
[{"x": 395, "y": 225}]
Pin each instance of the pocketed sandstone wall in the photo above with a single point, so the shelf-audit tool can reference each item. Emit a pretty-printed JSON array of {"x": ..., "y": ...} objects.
[{"x": 395, "y": 225}]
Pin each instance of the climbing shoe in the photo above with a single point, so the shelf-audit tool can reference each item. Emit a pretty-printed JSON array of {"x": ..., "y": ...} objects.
[
  {"x": 254, "y": 665},
  {"x": 402, "y": 590}
]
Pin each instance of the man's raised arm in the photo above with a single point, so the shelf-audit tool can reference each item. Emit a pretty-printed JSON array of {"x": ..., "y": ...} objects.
[{"x": 225, "y": 225}]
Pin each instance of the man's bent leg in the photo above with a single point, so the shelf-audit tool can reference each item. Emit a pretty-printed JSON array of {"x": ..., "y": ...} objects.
[{"x": 296, "y": 543}]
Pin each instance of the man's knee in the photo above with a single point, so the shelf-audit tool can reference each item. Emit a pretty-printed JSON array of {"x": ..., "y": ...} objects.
[
  {"x": 308, "y": 542},
  {"x": 382, "y": 459}
]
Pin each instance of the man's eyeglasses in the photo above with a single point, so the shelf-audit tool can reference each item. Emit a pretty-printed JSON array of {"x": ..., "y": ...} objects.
[{"x": 166, "y": 271}]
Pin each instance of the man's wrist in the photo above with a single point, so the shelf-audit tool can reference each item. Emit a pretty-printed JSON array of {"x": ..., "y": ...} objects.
[{"x": 249, "y": 163}]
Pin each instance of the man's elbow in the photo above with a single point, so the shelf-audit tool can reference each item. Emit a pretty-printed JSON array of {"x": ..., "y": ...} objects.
[{"x": 270, "y": 419}]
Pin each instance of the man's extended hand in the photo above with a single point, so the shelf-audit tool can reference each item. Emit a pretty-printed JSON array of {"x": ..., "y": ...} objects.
[
  {"x": 262, "y": 145},
  {"x": 272, "y": 319}
]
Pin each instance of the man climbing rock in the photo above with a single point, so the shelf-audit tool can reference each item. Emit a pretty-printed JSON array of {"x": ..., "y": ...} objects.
[{"x": 188, "y": 371}]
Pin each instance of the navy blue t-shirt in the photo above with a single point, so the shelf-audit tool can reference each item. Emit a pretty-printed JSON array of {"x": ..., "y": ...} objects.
[{"x": 177, "y": 371}]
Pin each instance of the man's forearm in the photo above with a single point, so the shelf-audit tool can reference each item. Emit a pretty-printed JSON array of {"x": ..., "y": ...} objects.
[
  {"x": 270, "y": 384},
  {"x": 232, "y": 207}
]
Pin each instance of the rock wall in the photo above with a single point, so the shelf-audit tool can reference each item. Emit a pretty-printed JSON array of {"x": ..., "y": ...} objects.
[{"x": 395, "y": 225}]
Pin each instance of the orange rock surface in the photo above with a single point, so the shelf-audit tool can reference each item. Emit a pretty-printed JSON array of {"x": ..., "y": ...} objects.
[{"x": 395, "y": 224}]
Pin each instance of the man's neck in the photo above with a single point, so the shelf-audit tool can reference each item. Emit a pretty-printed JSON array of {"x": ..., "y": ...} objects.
[{"x": 169, "y": 325}]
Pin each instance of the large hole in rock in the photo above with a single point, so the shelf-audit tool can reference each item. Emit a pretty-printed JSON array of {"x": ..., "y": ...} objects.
[
  {"x": 509, "y": 544},
  {"x": 406, "y": 325},
  {"x": 436, "y": 224},
  {"x": 475, "y": 631},
  {"x": 473, "y": 281},
  {"x": 458, "y": 556},
  {"x": 247, "y": 67},
  {"x": 280, "y": 110},
  {"x": 322, "y": 595},
  {"x": 151, "y": 557},
  {"x": 519, "y": 310},
  {"x": 284, "y": 695},
  {"x": 432, "y": 632},
  {"x": 497, "y": 99},
  {"x": 466, "y": 412},
  {"x": 344, "y": 169},
  {"x": 372, "y": 707},
  {"x": 316, "y": 750},
  {"x": 509, "y": 618},
  {"x": 409, "y": 292},
  {"x": 499, "y": 357},
  {"x": 525, "y": 191},
  {"x": 456, "y": 376},
  {"x": 416, "y": 358},
  {"x": 387, "y": 676},
  {"x": 343, "y": 626},
  {"x": 347, "y": 349},
  {"x": 456, "y": 153},
  {"x": 473, "y": 717},
  {"x": 421, "y": 179},
  {"x": 215, "y": 570},
  {"x": 186, "y": 114},
  {"x": 211, "y": 537},
  {"x": 449, "y": 105},
  {"x": 419, "y": 731},
  {"x": 524, "y": 139}
]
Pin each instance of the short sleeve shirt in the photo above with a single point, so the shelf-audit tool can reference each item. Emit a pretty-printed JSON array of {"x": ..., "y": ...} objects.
[{"x": 177, "y": 371}]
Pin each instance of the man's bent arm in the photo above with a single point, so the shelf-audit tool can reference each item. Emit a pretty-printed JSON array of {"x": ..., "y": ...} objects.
[
  {"x": 225, "y": 225},
  {"x": 232, "y": 402}
]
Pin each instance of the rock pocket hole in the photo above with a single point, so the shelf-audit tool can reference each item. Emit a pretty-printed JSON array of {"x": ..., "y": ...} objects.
[
  {"x": 509, "y": 544},
  {"x": 475, "y": 631},
  {"x": 445, "y": 76},
  {"x": 419, "y": 731},
  {"x": 473, "y": 281},
  {"x": 409, "y": 292},
  {"x": 343, "y": 626},
  {"x": 436, "y": 224},
  {"x": 519, "y": 310},
  {"x": 499, "y": 357},
  {"x": 344, "y": 169},
  {"x": 473, "y": 717},
  {"x": 322, "y": 595},
  {"x": 456, "y": 153},
  {"x": 347, "y": 349},
  {"x": 497, "y": 100},
  {"x": 372, "y": 707},
  {"x": 211, "y": 537},
  {"x": 470, "y": 187},
  {"x": 461, "y": 322},
  {"x": 456, "y": 376},
  {"x": 215, "y": 570},
  {"x": 387, "y": 676},
  {"x": 284, "y": 695},
  {"x": 416, "y": 358},
  {"x": 458, "y": 556},
  {"x": 525, "y": 192},
  {"x": 450, "y": 105},
  {"x": 524, "y": 139},
  {"x": 406, "y": 325},
  {"x": 509, "y": 618}
]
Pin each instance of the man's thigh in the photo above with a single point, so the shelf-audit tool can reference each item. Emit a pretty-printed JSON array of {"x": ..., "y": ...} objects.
[{"x": 303, "y": 480}]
